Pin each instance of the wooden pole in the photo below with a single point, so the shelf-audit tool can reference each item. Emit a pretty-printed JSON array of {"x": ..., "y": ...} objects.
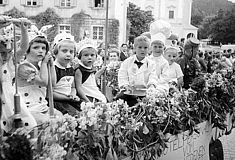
[
  {"x": 50, "y": 92},
  {"x": 106, "y": 46},
  {"x": 17, "y": 108}
]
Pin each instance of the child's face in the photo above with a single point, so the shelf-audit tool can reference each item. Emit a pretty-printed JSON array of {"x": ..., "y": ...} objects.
[
  {"x": 113, "y": 56},
  {"x": 37, "y": 51},
  {"x": 65, "y": 53},
  {"x": 171, "y": 56},
  {"x": 157, "y": 49},
  {"x": 88, "y": 56},
  {"x": 141, "y": 49}
]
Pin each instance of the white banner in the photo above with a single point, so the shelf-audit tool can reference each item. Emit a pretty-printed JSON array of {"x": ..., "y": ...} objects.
[{"x": 193, "y": 147}]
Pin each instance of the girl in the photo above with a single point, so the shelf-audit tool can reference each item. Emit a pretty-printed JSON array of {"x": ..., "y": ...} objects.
[
  {"x": 175, "y": 73},
  {"x": 7, "y": 79},
  {"x": 33, "y": 78},
  {"x": 64, "y": 92},
  {"x": 85, "y": 76}
]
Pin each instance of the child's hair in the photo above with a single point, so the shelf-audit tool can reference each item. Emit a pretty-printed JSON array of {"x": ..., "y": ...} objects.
[
  {"x": 38, "y": 39},
  {"x": 141, "y": 39},
  {"x": 157, "y": 42},
  {"x": 80, "y": 53},
  {"x": 114, "y": 50},
  {"x": 171, "y": 48},
  {"x": 57, "y": 46}
]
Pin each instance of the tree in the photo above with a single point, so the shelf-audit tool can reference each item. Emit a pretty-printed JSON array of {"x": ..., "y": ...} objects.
[
  {"x": 220, "y": 28},
  {"x": 139, "y": 21},
  {"x": 15, "y": 13},
  {"x": 46, "y": 18}
]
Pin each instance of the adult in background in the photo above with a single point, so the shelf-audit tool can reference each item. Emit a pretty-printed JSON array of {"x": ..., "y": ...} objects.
[
  {"x": 124, "y": 52},
  {"x": 188, "y": 62}
]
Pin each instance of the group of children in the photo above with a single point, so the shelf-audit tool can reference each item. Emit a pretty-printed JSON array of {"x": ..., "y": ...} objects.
[{"x": 73, "y": 84}]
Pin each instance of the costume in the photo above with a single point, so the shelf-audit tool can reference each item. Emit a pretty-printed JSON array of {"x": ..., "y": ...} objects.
[
  {"x": 8, "y": 91},
  {"x": 65, "y": 79},
  {"x": 34, "y": 96},
  {"x": 89, "y": 85},
  {"x": 174, "y": 72},
  {"x": 161, "y": 64}
]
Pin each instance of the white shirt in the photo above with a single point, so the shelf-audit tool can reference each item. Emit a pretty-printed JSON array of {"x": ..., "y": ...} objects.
[
  {"x": 174, "y": 72},
  {"x": 130, "y": 74}
]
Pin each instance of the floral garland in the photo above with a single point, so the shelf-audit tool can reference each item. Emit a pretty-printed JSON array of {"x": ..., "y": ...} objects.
[{"x": 115, "y": 131}]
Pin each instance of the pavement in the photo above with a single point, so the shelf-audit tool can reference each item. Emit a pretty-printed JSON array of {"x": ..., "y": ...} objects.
[{"x": 228, "y": 142}]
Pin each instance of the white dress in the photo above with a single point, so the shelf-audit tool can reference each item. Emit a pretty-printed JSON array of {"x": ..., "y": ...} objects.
[{"x": 8, "y": 89}]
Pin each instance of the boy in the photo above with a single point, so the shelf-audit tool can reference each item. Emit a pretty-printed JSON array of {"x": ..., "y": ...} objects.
[{"x": 136, "y": 71}]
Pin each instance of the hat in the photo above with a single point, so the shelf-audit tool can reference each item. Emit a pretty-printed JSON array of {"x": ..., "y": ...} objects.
[
  {"x": 191, "y": 42},
  {"x": 160, "y": 30},
  {"x": 63, "y": 36},
  {"x": 86, "y": 43}
]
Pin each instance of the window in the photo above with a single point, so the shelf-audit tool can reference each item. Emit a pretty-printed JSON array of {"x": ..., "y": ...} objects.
[
  {"x": 99, "y": 3},
  {"x": 98, "y": 32},
  {"x": 65, "y": 3},
  {"x": 171, "y": 14},
  {"x": 64, "y": 28},
  {"x": 1, "y": 2},
  {"x": 31, "y": 3}
]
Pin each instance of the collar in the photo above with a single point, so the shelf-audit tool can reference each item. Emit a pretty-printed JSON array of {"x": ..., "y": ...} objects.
[
  {"x": 143, "y": 61},
  {"x": 84, "y": 65},
  {"x": 56, "y": 63}
]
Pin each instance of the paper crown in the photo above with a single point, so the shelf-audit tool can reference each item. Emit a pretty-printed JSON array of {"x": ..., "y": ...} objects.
[
  {"x": 160, "y": 30},
  {"x": 86, "y": 43},
  {"x": 63, "y": 36}
]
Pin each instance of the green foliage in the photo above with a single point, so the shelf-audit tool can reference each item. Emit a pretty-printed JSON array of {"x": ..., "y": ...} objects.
[
  {"x": 46, "y": 18},
  {"x": 139, "y": 21},
  {"x": 15, "y": 13},
  {"x": 219, "y": 28},
  {"x": 113, "y": 31}
]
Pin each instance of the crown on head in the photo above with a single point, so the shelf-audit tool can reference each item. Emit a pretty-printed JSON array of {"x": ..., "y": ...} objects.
[{"x": 86, "y": 43}]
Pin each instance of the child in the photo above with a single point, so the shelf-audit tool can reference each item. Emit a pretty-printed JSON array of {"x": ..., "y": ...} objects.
[
  {"x": 174, "y": 73},
  {"x": 64, "y": 93},
  {"x": 85, "y": 76},
  {"x": 33, "y": 78},
  {"x": 7, "y": 79},
  {"x": 136, "y": 71}
]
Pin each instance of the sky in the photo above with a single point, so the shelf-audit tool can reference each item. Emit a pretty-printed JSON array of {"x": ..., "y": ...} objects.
[{"x": 232, "y": 1}]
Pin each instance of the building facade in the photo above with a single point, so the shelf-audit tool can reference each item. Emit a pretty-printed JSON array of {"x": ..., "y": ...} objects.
[
  {"x": 80, "y": 17},
  {"x": 176, "y": 12}
]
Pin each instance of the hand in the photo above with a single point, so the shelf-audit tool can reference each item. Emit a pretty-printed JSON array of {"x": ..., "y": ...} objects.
[
  {"x": 48, "y": 59},
  {"x": 74, "y": 97},
  {"x": 103, "y": 69}
]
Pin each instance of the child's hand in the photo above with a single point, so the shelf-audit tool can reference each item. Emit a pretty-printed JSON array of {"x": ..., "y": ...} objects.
[
  {"x": 48, "y": 59},
  {"x": 25, "y": 23},
  {"x": 74, "y": 97},
  {"x": 103, "y": 68}
]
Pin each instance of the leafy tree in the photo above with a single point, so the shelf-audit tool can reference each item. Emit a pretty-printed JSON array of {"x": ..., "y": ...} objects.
[
  {"x": 220, "y": 28},
  {"x": 15, "y": 13},
  {"x": 139, "y": 21},
  {"x": 46, "y": 18}
]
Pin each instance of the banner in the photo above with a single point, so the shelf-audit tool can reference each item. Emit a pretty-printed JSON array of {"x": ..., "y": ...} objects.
[{"x": 189, "y": 147}]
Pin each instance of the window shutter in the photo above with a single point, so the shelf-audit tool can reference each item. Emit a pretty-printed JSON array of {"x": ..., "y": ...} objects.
[
  {"x": 74, "y": 3},
  {"x": 23, "y": 2},
  {"x": 40, "y": 2},
  {"x": 57, "y": 3},
  {"x": 5, "y": 1}
]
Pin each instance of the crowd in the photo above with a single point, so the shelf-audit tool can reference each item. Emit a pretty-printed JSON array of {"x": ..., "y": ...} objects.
[{"x": 77, "y": 71}]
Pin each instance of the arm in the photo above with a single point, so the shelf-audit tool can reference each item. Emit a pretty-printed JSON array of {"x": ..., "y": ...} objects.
[
  {"x": 100, "y": 72},
  {"x": 23, "y": 42},
  {"x": 78, "y": 84},
  {"x": 123, "y": 75}
]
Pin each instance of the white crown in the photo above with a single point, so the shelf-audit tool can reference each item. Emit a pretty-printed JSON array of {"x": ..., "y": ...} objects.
[
  {"x": 63, "y": 36},
  {"x": 86, "y": 43}
]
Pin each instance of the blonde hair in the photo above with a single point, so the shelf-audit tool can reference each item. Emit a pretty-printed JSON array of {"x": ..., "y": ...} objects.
[
  {"x": 58, "y": 45},
  {"x": 141, "y": 38},
  {"x": 176, "y": 50}
]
